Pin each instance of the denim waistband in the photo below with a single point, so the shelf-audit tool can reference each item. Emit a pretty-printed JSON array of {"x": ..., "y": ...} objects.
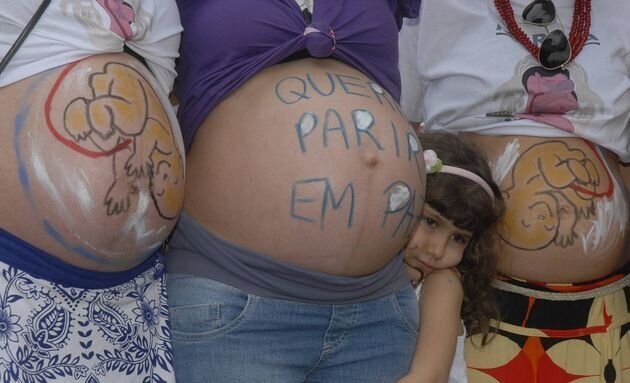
[
  {"x": 22, "y": 255},
  {"x": 193, "y": 250}
]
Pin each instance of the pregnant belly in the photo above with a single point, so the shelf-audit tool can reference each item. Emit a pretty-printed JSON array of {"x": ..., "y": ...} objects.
[
  {"x": 95, "y": 164},
  {"x": 311, "y": 163},
  {"x": 566, "y": 212}
]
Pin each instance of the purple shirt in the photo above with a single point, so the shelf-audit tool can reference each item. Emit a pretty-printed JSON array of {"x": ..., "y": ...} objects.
[{"x": 226, "y": 42}]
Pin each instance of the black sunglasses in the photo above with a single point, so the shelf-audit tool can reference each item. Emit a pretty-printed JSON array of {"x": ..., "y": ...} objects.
[
  {"x": 540, "y": 12},
  {"x": 555, "y": 50}
]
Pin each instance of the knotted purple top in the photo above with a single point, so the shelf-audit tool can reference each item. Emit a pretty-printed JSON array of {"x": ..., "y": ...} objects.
[{"x": 226, "y": 42}]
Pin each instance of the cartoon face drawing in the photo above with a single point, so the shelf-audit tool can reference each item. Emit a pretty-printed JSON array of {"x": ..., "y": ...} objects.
[
  {"x": 167, "y": 187},
  {"x": 531, "y": 226}
]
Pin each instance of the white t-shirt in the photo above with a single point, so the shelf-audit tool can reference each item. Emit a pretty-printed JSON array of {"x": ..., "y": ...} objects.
[
  {"x": 70, "y": 30},
  {"x": 462, "y": 71}
]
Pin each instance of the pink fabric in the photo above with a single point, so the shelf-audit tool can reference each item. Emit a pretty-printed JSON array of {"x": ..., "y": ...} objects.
[
  {"x": 549, "y": 99},
  {"x": 122, "y": 15}
]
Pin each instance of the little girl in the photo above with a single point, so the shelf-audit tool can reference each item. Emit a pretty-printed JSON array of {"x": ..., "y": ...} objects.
[{"x": 451, "y": 256}]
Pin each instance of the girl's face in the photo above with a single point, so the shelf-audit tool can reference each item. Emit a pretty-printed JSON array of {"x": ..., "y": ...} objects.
[{"x": 436, "y": 244}]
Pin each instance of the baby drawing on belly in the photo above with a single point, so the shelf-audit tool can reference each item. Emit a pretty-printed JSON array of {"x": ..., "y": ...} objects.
[
  {"x": 553, "y": 187},
  {"x": 124, "y": 119}
]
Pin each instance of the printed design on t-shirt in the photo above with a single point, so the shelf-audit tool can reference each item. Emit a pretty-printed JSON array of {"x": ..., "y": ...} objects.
[
  {"x": 553, "y": 186},
  {"x": 550, "y": 94},
  {"x": 557, "y": 97},
  {"x": 123, "y": 119},
  {"x": 122, "y": 16}
]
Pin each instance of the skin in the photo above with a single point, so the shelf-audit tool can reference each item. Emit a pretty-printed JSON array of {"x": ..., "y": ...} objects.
[
  {"x": 436, "y": 247},
  {"x": 315, "y": 142},
  {"x": 91, "y": 161},
  {"x": 124, "y": 107},
  {"x": 553, "y": 194},
  {"x": 543, "y": 207}
]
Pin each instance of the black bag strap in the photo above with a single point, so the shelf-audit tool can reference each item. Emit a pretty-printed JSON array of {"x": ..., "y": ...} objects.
[{"x": 27, "y": 30}]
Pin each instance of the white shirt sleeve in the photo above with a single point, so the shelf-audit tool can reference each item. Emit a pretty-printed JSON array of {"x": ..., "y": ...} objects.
[
  {"x": 157, "y": 39},
  {"x": 412, "y": 91}
]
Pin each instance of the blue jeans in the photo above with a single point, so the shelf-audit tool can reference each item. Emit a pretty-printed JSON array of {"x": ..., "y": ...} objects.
[{"x": 222, "y": 334}]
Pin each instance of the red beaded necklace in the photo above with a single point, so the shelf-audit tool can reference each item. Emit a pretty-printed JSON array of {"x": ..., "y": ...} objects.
[{"x": 579, "y": 28}]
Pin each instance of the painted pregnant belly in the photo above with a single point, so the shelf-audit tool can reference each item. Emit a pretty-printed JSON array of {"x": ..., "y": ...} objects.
[
  {"x": 562, "y": 194},
  {"x": 102, "y": 162}
]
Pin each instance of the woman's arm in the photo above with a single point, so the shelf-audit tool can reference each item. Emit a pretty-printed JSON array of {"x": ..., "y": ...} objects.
[{"x": 440, "y": 323}]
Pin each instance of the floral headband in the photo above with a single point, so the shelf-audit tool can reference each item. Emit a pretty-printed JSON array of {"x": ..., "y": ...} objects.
[{"x": 434, "y": 165}]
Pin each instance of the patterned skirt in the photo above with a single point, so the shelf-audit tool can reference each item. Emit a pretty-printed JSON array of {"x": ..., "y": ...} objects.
[
  {"x": 115, "y": 330},
  {"x": 556, "y": 334}
]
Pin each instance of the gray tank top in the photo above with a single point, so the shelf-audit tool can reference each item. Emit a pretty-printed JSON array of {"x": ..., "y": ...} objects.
[{"x": 193, "y": 250}]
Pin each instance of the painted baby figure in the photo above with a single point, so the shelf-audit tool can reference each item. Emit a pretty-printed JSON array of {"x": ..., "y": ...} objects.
[{"x": 451, "y": 257}]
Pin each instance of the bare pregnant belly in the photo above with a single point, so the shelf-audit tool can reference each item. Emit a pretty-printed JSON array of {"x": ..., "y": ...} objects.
[
  {"x": 567, "y": 216},
  {"x": 311, "y": 163},
  {"x": 92, "y": 162}
]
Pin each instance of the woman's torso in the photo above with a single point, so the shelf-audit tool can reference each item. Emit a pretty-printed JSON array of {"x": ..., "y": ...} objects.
[
  {"x": 311, "y": 163},
  {"x": 566, "y": 214},
  {"x": 92, "y": 162}
]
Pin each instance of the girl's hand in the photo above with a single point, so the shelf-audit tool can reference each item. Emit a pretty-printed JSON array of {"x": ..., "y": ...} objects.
[
  {"x": 409, "y": 378},
  {"x": 415, "y": 274}
]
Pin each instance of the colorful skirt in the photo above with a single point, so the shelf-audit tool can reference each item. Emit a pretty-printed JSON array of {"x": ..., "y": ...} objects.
[{"x": 556, "y": 334}]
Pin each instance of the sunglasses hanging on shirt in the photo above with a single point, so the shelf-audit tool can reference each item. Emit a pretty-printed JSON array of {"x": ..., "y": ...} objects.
[
  {"x": 556, "y": 49},
  {"x": 540, "y": 12}
]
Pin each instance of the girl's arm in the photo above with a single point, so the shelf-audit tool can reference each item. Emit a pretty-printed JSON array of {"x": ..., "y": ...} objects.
[{"x": 440, "y": 307}]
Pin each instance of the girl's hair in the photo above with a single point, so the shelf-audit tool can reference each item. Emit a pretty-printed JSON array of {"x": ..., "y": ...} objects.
[{"x": 469, "y": 207}]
